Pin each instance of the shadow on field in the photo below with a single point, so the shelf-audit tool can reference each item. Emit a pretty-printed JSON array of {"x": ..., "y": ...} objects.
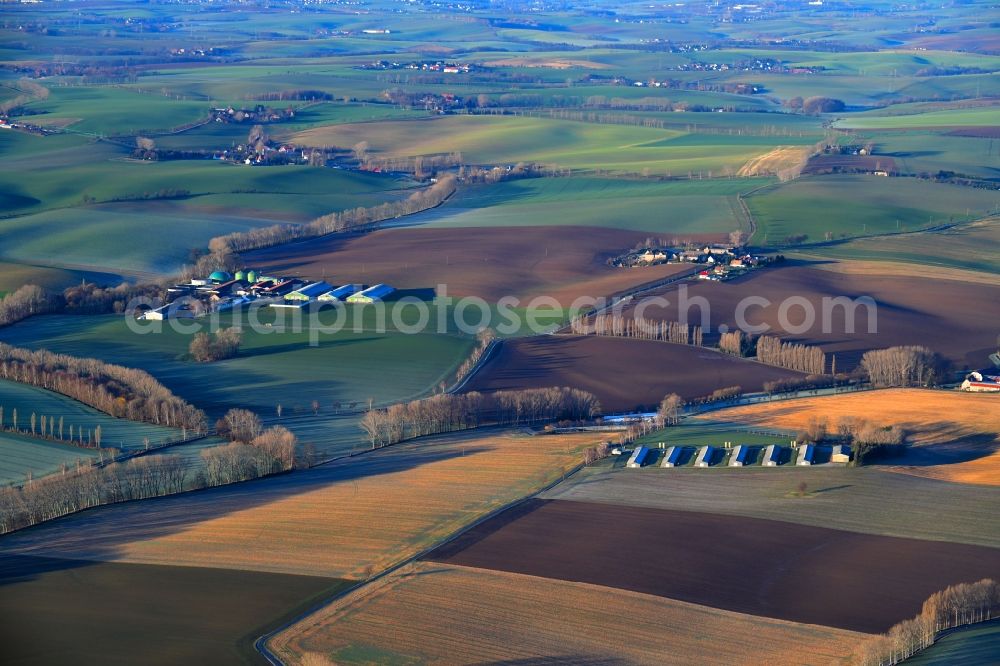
[
  {"x": 100, "y": 533},
  {"x": 560, "y": 660}
]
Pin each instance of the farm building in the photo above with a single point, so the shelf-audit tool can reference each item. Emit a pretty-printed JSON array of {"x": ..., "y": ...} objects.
[
  {"x": 705, "y": 456},
  {"x": 310, "y": 292},
  {"x": 672, "y": 456},
  {"x": 220, "y": 276},
  {"x": 807, "y": 455},
  {"x": 372, "y": 294},
  {"x": 172, "y": 311},
  {"x": 740, "y": 456},
  {"x": 772, "y": 456},
  {"x": 841, "y": 454},
  {"x": 638, "y": 457},
  {"x": 982, "y": 382},
  {"x": 341, "y": 293}
]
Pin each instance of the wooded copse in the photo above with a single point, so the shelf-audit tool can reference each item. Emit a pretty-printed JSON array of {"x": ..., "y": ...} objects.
[
  {"x": 955, "y": 606},
  {"x": 773, "y": 351},
  {"x": 86, "y": 298},
  {"x": 24, "y": 302},
  {"x": 113, "y": 389},
  {"x": 347, "y": 220},
  {"x": 902, "y": 366},
  {"x": 450, "y": 412},
  {"x": 639, "y": 328},
  {"x": 226, "y": 344}
]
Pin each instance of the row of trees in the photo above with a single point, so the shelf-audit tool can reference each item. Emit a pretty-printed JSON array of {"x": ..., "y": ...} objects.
[
  {"x": 956, "y": 605},
  {"x": 903, "y": 366},
  {"x": 773, "y": 351},
  {"x": 637, "y": 327},
  {"x": 113, "y": 389},
  {"x": 253, "y": 452},
  {"x": 29, "y": 92},
  {"x": 24, "y": 302},
  {"x": 226, "y": 344},
  {"x": 450, "y": 412},
  {"x": 484, "y": 339},
  {"x": 49, "y": 427},
  {"x": 348, "y": 220},
  {"x": 85, "y": 298}
]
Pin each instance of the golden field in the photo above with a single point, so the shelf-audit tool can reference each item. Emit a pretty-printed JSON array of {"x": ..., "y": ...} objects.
[
  {"x": 443, "y": 614},
  {"x": 346, "y": 519},
  {"x": 958, "y": 425}
]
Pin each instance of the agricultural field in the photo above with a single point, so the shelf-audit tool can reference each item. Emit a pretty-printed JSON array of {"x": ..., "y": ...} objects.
[
  {"x": 971, "y": 246},
  {"x": 22, "y": 456},
  {"x": 910, "y": 308},
  {"x": 540, "y": 620},
  {"x": 567, "y": 144},
  {"x": 169, "y": 614},
  {"x": 977, "y": 644},
  {"x": 564, "y": 263},
  {"x": 812, "y": 209},
  {"x": 624, "y": 374},
  {"x": 969, "y": 152},
  {"x": 745, "y": 565},
  {"x": 836, "y": 497},
  {"x": 899, "y": 119},
  {"x": 339, "y": 520},
  {"x": 688, "y": 209},
  {"x": 274, "y": 367}
]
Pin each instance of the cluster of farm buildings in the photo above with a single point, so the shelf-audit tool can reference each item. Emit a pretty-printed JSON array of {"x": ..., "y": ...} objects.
[
  {"x": 741, "y": 455},
  {"x": 721, "y": 263},
  {"x": 982, "y": 381},
  {"x": 223, "y": 291}
]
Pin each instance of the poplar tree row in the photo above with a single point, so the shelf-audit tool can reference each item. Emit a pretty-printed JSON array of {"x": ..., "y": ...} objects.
[
  {"x": 639, "y": 328},
  {"x": 49, "y": 427}
]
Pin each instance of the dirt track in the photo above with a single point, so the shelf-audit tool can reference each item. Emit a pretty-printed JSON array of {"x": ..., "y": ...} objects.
[
  {"x": 782, "y": 570},
  {"x": 622, "y": 373},
  {"x": 957, "y": 319},
  {"x": 563, "y": 262}
]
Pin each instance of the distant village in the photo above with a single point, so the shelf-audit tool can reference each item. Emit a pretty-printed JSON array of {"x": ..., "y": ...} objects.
[
  {"x": 222, "y": 291},
  {"x": 721, "y": 263}
]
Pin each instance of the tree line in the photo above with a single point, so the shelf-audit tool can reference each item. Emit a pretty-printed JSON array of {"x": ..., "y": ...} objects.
[
  {"x": 903, "y": 366},
  {"x": 49, "y": 427},
  {"x": 791, "y": 355},
  {"x": 449, "y": 412},
  {"x": 639, "y": 328},
  {"x": 484, "y": 339},
  {"x": 254, "y": 452},
  {"x": 347, "y": 220},
  {"x": 86, "y": 298},
  {"x": 955, "y": 606},
  {"x": 113, "y": 389}
]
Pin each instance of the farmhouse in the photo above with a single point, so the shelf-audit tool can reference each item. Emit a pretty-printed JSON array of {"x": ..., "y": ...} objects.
[
  {"x": 638, "y": 457},
  {"x": 772, "y": 456},
  {"x": 372, "y": 294},
  {"x": 341, "y": 293},
  {"x": 310, "y": 292},
  {"x": 983, "y": 381},
  {"x": 705, "y": 456}
]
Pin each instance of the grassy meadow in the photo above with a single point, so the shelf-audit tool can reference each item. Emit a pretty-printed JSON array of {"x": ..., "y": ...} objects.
[
  {"x": 978, "y": 644},
  {"x": 669, "y": 207},
  {"x": 847, "y": 206},
  {"x": 21, "y": 456}
]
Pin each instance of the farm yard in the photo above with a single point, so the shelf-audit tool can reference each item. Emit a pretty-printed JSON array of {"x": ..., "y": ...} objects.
[
  {"x": 741, "y": 564},
  {"x": 624, "y": 374},
  {"x": 532, "y": 619},
  {"x": 175, "y": 613},
  {"x": 910, "y": 308},
  {"x": 336, "y": 520}
]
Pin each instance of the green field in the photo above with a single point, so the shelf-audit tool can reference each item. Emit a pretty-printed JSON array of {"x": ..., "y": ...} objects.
[
  {"x": 861, "y": 205},
  {"x": 855, "y": 499},
  {"x": 671, "y": 207},
  {"x": 272, "y": 368},
  {"x": 168, "y": 614},
  {"x": 21, "y": 455},
  {"x": 978, "y": 644},
  {"x": 567, "y": 144},
  {"x": 975, "y": 117},
  {"x": 920, "y": 152},
  {"x": 972, "y": 246}
]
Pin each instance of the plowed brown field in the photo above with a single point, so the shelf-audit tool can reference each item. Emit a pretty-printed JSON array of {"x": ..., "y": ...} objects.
[
  {"x": 622, "y": 373},
  {"x": 563, "y": 262},
  {"x": 813, "y": 575}
]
